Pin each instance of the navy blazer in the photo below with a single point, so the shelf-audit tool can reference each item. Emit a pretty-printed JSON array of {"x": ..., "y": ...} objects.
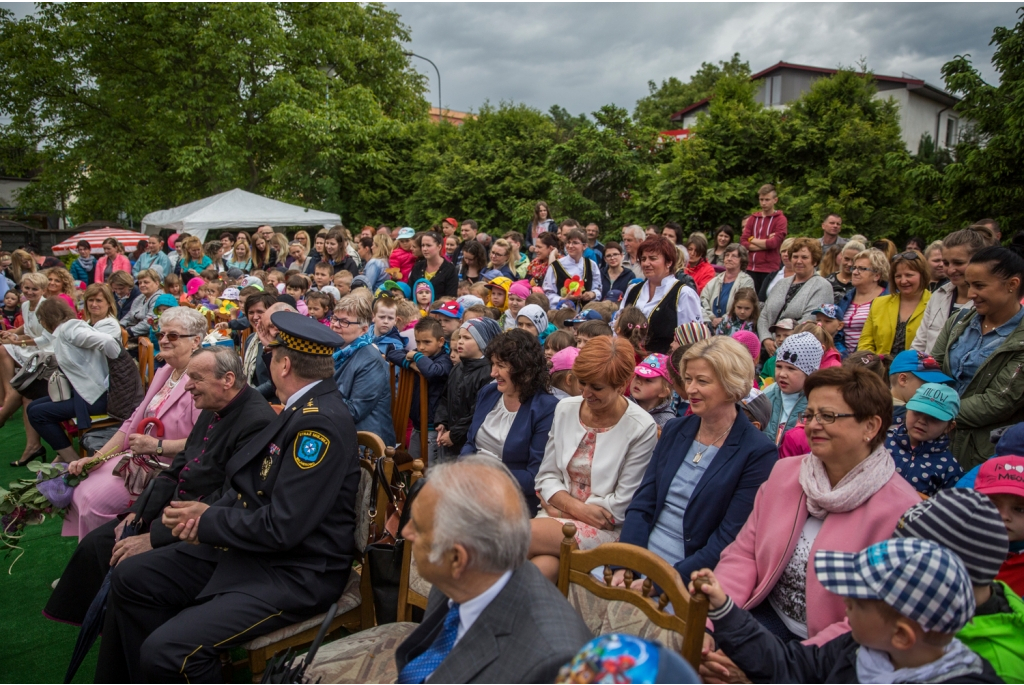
[
  {"x": 722, "y": 499},
  {"x": 524, "y": 447}
]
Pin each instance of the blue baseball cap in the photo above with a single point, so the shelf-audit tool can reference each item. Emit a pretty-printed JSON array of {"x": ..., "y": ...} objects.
[
  {"x": 924, "y": 367},
  {"x": 406, "y": 233},
  {"x": 829, "y": 310},
  {"x": 937, "y": 400},
  {"x": 586, "y": 315}
]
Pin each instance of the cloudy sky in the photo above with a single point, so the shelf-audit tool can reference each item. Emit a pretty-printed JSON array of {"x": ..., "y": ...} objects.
[{"x": 584, "y": 55}]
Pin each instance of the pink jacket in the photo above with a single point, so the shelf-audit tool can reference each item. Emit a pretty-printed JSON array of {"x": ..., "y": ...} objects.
[
  {"x": 178, "y": 413},
  {"x": 121, "y": 263},
  {"x": 402, "y": 260},
  {"x": 830, "y": 358},
  {"x": 751, "y": 565}
]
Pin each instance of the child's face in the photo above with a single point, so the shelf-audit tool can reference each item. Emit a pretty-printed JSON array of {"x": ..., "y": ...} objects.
[
  {"x": 343, "y": 284},
  {"x": 515, "y": 303},
  {"x": 497, "y": 297},
  {"x": 924, "y": 428},
  {"x": 525, "y": 324},
  {"x": 868, "y": 625},
  {"x": 768, "y": 201},
  {"x": 322, "y": 278},
  {"x": 463, "y": 288},
  {"x": 789, "y": 378},
  {"x": 467, "y": 347},
  {"x": 175, "y": 289},
  {"x": 423, "y": 297},
  {"x": 649, "y": 389},
  {"x": 316, "y": 310},
  {"x": 428, "y": 344},
  {"x": 384, "y": 319},
  {"x": 781, "y": 335},
  {"x": 548, "y": 354},
  {"x": 274, "y": 278},
  {"x": 11, "y": 299},
  {"x": 449, "y": 325},
  {"x": 469, "y": 316},
  {"x": 1011, "y": 508},
  {"x": 743, "y": 310},
  {"x": 297, "y": 293},
  {"x": 581, "y": 340},
  {"x": 904, "y": 385},
  {"x": 831, "y": 325}
]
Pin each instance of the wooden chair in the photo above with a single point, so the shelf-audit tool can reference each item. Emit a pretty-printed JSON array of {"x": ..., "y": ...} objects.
[
  {"x": 124, "y": 337},
  {"x": 402, "y": 404},
  {"x": 147, "y": 363},
  {"x": 608, "y": 609},
  {"x": 359, "y": 617},
  {"x": 242, "y": 337}
]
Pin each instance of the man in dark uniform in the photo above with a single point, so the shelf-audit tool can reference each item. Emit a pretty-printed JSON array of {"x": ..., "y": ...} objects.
[
  {"x": 275, "y": 549},
  {"x": 232, "y": 413}
]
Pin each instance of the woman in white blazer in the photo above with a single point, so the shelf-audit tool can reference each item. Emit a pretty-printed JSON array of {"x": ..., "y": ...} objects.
[{"x": 596, "y": 455}]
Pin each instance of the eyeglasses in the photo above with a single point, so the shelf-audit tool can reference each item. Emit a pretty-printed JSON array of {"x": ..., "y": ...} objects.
[
  {"x": 863, "y": 268},
  {"x": 344, "y": 323},
  {"x": 823, "y": 417},
  {"x": 172, "y": 337}
]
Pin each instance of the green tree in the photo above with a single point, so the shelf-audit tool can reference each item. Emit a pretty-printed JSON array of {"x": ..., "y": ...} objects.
[
  {"x": 672, "y": 95},
  {"x": 987, "y": 179},
  {"x": 134, "y": 107}
]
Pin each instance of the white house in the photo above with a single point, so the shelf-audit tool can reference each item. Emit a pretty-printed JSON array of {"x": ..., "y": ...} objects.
[{"x": 923, "y": 108}]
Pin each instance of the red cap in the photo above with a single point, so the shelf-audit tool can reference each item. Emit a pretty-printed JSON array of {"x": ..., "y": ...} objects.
[
  {"x": 452, "y": 222},
  {"x": 1001, "y": 475}
]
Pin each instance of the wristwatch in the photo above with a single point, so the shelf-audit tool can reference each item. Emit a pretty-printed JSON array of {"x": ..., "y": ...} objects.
[{"x": 159, "y": 448}]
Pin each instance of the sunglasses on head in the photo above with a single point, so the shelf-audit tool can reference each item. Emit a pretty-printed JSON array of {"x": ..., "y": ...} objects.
[{"x": 908, "y": 255}]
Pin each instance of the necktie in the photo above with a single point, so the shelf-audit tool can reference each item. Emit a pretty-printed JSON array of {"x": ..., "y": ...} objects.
[{"x": 420, "y": 668}]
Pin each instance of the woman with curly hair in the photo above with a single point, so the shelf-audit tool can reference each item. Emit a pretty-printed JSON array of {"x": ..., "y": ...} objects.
[
  {"x": 595, "y": 458},
  {"x": 513, "y": 415}
]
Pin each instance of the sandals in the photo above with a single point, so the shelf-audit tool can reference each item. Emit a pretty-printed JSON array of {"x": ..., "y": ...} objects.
[{"x": 41, "y": 452}]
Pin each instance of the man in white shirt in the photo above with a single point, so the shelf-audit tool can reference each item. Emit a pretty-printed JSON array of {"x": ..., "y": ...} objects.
[
  {"x": 491, "y": 615},
  {"x": 571, "y": 265}
]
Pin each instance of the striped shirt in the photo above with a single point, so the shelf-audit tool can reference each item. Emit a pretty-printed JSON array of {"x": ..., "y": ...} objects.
[{"x": 853, "y": 323}]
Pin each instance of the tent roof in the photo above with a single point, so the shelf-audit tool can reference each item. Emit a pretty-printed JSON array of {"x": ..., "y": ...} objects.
[{"x": 233, "y": 209}]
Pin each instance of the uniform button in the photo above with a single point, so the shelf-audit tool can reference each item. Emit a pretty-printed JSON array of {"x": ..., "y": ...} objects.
[
  {"x": 239, "y": 495},
  {"x": 181, "y": 480},
  {"x": 245, "y": 505},
  {"x": 260, "y": 493},
  {"x": 181, "y": 492},
  {"x": 196, "y": 460}
]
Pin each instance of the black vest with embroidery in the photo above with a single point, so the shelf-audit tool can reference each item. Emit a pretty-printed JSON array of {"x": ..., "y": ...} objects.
[
  {"x": 561, "y": 276},
  {"x": 662, "y": 322}
]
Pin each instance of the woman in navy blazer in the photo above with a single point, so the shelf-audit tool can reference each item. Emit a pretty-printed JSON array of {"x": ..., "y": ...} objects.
[
  {"x": 520, "y": 374},
  {"x": 723, "y": 496}
]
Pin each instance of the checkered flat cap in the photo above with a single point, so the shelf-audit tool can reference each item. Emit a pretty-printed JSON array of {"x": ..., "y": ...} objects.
[{"x": 918, "y": 578}]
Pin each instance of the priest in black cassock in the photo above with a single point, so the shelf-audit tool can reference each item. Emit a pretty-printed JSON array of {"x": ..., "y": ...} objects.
[{"x": 232, "y": 413}]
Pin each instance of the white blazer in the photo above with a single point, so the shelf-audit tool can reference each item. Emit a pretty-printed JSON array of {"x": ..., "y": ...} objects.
[
  {"x": 621, "y": 455},
  {"x": 82, "y": 353}
]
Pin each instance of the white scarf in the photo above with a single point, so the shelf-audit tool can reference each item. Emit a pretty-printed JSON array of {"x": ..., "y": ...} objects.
[
  {"x": 856, "y": 487},
  {"x": 874, "y": 666}
]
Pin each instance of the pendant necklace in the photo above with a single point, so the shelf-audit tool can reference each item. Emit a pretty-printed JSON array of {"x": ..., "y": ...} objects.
[{"x": 697, "y": 457}]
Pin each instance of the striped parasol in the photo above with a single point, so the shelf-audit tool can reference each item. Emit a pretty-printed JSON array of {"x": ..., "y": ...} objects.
[{"x": 129, "y": 239}]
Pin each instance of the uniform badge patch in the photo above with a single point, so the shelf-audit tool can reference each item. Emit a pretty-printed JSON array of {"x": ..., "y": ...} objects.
[
  {"x": 310, "y": 448},
  {"x": 268, "y": 461}
]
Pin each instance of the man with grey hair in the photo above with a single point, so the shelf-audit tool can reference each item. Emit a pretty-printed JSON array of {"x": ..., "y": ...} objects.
[
  {"x": 231, "y": 414},
  {"x": 491, "y": 615},
  {"x": 632, "y": 236}
]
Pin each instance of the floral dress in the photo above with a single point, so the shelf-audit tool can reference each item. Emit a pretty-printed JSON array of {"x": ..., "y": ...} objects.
[{"x": 587, "y": 537}]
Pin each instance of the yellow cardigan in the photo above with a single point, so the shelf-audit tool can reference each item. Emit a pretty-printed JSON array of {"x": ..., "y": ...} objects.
[{"x": 880, "y": 327}]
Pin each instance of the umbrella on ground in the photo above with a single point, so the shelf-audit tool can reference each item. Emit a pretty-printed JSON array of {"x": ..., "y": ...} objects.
[{"x": 129, "y": 239}]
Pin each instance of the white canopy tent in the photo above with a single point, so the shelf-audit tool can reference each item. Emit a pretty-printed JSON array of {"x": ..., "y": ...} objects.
[{"x": 233, "y": 209}]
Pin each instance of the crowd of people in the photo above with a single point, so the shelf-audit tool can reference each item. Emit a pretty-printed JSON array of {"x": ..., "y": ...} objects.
[{"x": 822, "y": 434}]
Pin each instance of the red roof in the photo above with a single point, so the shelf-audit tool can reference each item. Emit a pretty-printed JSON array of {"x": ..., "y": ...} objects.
[{"x": 912, "y": 83}]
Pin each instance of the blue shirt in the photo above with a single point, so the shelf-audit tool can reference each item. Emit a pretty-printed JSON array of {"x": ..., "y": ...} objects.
[
  {"x": 972, "y": 349},
  {"x": 929, "y": 467},
  {"x": 666, "y": 539},
  {"x": 720, "y": 305}
]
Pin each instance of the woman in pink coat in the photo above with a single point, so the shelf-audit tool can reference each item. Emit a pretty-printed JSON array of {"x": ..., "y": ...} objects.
[
  {"x": 843, "y": 496},
  {"x": 112, "y": 260},
  {"x": 102, "y": 496}
]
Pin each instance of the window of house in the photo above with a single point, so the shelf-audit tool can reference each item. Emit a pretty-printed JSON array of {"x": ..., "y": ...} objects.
[
  {"x": 951, "y": 132},
  {"x": 773, "y": 90}
]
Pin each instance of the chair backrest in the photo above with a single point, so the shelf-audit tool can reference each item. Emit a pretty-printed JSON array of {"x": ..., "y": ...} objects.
[
  {"x": 689, "y": 611},
  {"x": 124, "y": 337},
  {"x": 402, "y": 404},
  {"x": 147, "y": 365},
  {"x": 243, "y": 336},
  {"x": 391, "y": 386}
]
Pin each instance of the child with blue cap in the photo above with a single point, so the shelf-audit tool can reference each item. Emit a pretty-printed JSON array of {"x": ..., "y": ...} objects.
[
  {"x": 905, "y": 600},
  {"x": 920, "y": 445},
  {"x": 908, "y": 371}
]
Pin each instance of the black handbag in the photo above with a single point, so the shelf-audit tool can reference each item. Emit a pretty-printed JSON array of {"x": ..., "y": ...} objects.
[{"x": 384, "y": 553}]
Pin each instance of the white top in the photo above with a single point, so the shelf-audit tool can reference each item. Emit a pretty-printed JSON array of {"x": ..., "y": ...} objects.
[
  {"x": 110, "y": 326},
  {"x": 82, "y": 353},
  {"x": 43, "y": 340},
  {"x": 621, "y": 455},
  {"x": 687, "y": 306},
  {"x": 789, "y": 596},
  {"x": 490, "y": 438},
  {"x": 552, "y": 289}
]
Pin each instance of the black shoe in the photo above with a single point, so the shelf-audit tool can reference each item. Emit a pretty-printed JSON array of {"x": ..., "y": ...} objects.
[{"x": 39, "y": 453}]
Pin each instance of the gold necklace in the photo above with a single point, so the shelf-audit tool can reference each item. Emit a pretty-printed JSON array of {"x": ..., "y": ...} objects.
[{"x": 707, "y": 446}]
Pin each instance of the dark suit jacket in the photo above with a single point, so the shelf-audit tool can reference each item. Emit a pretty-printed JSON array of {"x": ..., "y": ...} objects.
[
  {"x": 525, "y": 635},
  {"x": 524, "y": 447},
  {"x": 722, "y": 499}
]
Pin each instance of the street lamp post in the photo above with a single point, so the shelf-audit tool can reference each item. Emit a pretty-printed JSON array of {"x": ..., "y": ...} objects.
[{"x": 440, "y": 109}]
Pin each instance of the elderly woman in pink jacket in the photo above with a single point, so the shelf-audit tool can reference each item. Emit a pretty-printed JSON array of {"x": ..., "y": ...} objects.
[
  {"x": 102, "y": 496},
  {"x": 843, "y": 496}
]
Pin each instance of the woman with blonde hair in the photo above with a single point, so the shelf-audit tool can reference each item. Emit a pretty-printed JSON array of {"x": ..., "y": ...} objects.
[
  {"x": 21, "y": 264},
  {"x": 59, "y": 283},
  {"x": 893, "y": 320},
  {"x": 303, "y": 238},
  {"x": 193, "y": 260},
  {"x": 597, "y": 451},
  {"x": 240, "y": 257}
]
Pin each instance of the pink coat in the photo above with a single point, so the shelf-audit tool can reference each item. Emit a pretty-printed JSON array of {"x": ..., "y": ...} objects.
[
  {"x": 751, "y": 565},
  {"x": 178, "y": 413},
  {"x": 402, "y": 260},
  {"x": 121, "y": 263}
]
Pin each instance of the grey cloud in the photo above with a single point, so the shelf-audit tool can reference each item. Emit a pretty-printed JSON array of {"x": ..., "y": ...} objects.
[{"x": 582, "y": 56}]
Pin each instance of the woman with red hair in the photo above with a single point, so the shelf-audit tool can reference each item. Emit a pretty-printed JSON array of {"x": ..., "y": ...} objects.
[
  {"x": 596, "y": 455},
  {"x": 663, "y": 299}
]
